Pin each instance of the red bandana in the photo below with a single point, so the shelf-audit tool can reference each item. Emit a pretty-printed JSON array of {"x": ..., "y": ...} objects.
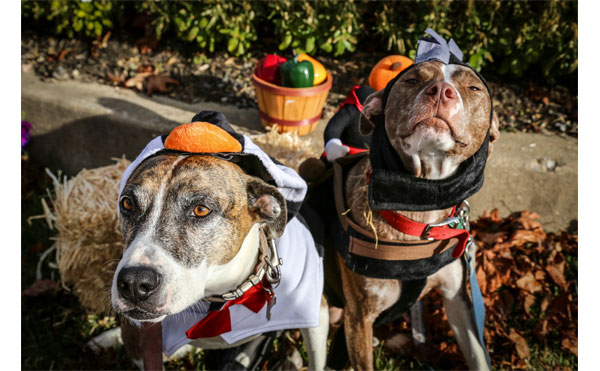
[{"x": 219, "y": 322}]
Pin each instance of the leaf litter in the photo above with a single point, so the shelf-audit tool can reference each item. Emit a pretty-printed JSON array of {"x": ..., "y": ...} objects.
[{"x": 528, "y": 280}]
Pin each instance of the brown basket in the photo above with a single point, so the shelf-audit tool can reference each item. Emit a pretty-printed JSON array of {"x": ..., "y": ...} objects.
[{"x": 292, "y": 109}]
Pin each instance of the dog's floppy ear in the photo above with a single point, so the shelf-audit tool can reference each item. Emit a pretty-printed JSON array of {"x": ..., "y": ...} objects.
[
  {"x": 494, "y": 132},
  {"x": 267, "y": 205},
  {"x": 371, "y": 108}
]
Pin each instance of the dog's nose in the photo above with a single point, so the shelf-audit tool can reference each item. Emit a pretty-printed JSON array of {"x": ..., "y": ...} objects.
[
  {"x": 447, "y": 91},
  {"x": 138, "y": 283}
]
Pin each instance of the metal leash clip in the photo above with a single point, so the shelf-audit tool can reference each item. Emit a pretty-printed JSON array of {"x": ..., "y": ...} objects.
[
  {"x": 463, "y": 214},
  {"x": 447, "y": 221},
  {"x": 273, "y": 274}
]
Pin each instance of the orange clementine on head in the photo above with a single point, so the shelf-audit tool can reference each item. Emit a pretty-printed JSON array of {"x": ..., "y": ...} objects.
[
  {"x": 386, "y": 69},
  {"x": 201, "y": 137}
]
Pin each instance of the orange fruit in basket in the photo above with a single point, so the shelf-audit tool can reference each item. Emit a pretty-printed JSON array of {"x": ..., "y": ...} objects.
[
  {"x": 319, "y": 70},
  {"x": 386, "y": 69}
]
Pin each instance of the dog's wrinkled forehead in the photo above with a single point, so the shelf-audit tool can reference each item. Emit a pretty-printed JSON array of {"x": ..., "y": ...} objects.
[
  {"x": 435, "y": 53},
  {"x": 454, "y": 74}
]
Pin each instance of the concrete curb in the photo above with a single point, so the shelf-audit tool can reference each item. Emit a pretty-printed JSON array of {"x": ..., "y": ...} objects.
[
  {"x": 83, "y": 125},
  {"x": 531, "y": 172}
]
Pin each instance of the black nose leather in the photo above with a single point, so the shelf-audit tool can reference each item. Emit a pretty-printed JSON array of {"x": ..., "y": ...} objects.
[{"x": 138, "y": 283}]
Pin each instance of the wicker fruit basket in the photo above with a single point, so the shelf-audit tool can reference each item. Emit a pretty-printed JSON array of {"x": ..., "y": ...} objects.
[{"x": 292, "y": 109}]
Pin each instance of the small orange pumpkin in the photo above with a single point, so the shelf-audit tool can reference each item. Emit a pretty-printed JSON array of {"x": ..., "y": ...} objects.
[
  {"x": 201, "y": 137},
  {"x": 386, "y": 69}
]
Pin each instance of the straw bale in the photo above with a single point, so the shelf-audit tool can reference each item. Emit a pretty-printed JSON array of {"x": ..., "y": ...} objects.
[
  {"x": 287, "y": 147},
  {"x": 89, "y": 242}
]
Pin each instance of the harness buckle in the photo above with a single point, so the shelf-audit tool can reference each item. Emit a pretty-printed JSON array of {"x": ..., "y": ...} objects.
[{"x": 447, "y": 221}]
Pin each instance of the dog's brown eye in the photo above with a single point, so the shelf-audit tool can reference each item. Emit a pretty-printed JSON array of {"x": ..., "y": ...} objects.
[
  {"x": 411, "y": 81},
  {"x": 200, "y": 210},
  {"x": 127, "y": 204}
]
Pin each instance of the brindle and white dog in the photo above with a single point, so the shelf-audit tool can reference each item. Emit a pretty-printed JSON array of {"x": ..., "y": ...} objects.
[
  {"x": 191, "y": 226},
  {"x": 436, "y": 116}
]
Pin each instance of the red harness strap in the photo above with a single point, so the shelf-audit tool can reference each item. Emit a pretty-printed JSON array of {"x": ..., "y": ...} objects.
[
  {"x": 413, "y": 228},
  {"x": 352, "y": 98},
  {"x": 219, "y": 321}
]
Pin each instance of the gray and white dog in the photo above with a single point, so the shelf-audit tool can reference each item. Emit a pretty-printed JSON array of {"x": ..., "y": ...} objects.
[{"x": 207, "y": 225}]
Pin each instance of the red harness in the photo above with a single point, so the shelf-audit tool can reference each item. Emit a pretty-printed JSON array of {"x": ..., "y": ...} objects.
[
  {"x": 438, "y": 231},
  {"x": 432, "y": 231}
]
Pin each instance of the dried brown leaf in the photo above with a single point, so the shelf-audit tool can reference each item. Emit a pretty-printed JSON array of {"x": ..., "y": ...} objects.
[
  {"x": 492, "y": 238},
  {"x": 159, "y": 83},
  {"x": 495, "y": 215},
  {"x": 539, "y": 275},
  {"x": 523, "y": 236},
  {"x": 117, "y": 80},
  {"x": 145, "y": 68},
  {"x": 528, "y": 302},
  {"x": 137, "y": 81},
  {"x": 545, "y": 302},
  {"x": 520, "y": 344},
  {"x": 570, "y": 345},
  {"x": 557, "y": 276},
  {"x": 529, "y": 283}
]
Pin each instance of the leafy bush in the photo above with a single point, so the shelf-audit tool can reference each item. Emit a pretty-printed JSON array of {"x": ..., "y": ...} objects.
[
  {"x": 517, "y": 36},
  {"x": 90, "y": 19},
  {"x": 330, "y": 25},
  {"x": 208, "y": 23}
]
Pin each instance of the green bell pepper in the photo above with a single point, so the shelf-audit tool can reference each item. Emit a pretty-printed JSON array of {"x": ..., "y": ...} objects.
[{"x": 295, "y": 74}]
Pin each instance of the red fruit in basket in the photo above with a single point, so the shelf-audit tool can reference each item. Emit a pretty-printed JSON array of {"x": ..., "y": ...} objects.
[{"x": 268, "y": 68}]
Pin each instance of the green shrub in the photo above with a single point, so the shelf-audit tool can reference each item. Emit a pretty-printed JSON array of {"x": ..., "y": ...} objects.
[
  {"x": 89, "y": 19},
  {"x": 207, "y": 23},
  {"x": 517, "y": 36},
  {"x": 331, "y": 26}
]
